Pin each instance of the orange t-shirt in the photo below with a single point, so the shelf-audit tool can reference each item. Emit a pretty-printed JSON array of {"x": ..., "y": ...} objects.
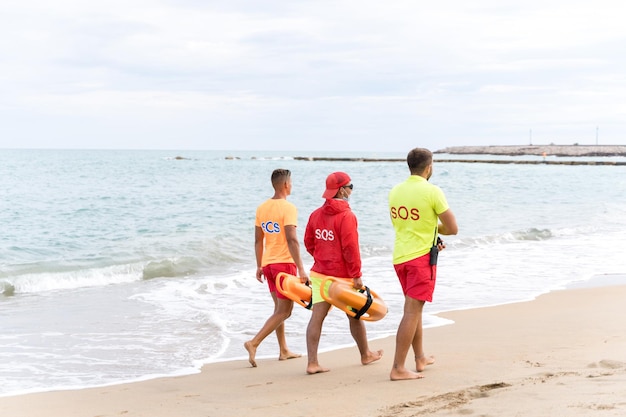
[{"x": 272, "y": 216}]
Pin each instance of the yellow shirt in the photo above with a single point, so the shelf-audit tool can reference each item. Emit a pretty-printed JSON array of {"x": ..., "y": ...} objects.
[
  {"x": 414, "y": 206},
  {"x": 272, "y": 216}
]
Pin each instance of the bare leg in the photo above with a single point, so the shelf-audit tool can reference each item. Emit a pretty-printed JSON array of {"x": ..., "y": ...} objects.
[
  {"x": 284, "y": 353},
  {"x": 313, "y": 334},
  {"x": 421, "y": 360},
  {"x": 406, "y": 336},
  {"x": 282, "y": 311},
  {"x": 359, "y": 334}
]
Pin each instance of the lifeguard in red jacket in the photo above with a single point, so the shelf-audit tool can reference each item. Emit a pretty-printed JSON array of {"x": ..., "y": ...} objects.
[{"x": 332, "y": 238}]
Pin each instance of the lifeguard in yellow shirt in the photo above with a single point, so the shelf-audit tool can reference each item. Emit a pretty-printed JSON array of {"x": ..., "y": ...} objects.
[{"x": 419, "y": 213}]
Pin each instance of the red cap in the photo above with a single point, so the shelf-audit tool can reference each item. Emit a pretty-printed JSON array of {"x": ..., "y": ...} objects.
[{"x": 334, "y": 182}]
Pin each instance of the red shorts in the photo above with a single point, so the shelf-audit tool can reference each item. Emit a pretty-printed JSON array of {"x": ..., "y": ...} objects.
[
  {"x": 271, "y": 271},
  {"x": 417, "y": 278}
]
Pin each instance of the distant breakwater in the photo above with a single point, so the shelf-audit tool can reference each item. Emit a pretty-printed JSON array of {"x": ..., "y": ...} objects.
[
  {"x": 541, "y": 150},
  {"x": 469, "y": 161},
  {"x": 511, "y": 150}
]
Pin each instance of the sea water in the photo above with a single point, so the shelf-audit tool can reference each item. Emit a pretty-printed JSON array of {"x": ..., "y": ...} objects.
[{"x": 118, "y": 266}]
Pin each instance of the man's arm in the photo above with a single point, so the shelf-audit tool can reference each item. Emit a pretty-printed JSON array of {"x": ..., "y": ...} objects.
[
  {"x": 294, "y": 251},
  {"x": 258, "y": 251},
  {"x": 447, "y": 225}
]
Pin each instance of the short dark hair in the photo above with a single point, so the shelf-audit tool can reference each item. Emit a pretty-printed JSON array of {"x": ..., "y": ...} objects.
[
  {"x": 279, "y": 175},
  {"x": 418, "y": 160}
]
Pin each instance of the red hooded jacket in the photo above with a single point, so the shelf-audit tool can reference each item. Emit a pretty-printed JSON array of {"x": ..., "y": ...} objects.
[{"x": 331, "y": 237}]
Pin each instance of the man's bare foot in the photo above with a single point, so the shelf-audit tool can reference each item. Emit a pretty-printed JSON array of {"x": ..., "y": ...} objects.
[
  {"x": 403, "y": 374},
  {"x": 315, "y": 369},
  {"x": 372, "y": 357},
  {"x": 251, "y": 353},
  {"x": 423, "y": 362},
  {"x": 288, "y": 355}
]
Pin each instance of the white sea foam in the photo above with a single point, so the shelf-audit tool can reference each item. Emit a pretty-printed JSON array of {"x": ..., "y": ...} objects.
[{"x": 68, "y": 280}]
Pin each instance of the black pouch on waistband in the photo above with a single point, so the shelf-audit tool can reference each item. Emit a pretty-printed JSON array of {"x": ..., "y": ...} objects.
[{"x": 434, "y": 253}]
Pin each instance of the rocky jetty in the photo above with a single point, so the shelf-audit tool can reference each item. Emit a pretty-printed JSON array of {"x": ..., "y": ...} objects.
[
  {"x": 571, "y": 151},
  {"x": 548, "y": 150}
]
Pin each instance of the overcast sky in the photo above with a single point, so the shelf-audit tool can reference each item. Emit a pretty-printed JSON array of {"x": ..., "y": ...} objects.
[{"x": 364, "y": 75}]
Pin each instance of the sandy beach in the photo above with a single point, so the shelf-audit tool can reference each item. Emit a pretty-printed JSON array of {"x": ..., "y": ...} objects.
[{"x": 561, "y": 354}]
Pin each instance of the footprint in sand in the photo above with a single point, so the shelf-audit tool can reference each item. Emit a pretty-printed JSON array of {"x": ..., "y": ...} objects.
[{"x": 608, "y": 364}]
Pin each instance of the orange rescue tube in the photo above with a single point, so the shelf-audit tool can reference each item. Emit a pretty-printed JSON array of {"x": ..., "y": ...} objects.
[
  {"x": 362, "y": 303},
  {"x": 291, "y": 287}
]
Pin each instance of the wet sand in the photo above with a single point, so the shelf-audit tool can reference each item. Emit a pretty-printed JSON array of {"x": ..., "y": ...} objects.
[{"x": 561, "y": 354}]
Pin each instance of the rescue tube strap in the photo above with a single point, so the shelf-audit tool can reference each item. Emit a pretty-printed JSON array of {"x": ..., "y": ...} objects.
[{"x": 367, "y": 305}]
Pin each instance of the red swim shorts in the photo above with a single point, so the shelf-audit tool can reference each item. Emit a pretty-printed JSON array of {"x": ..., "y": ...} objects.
[
  {"x": 417, "y": 278},
  {"x": 271, "y": 271}
]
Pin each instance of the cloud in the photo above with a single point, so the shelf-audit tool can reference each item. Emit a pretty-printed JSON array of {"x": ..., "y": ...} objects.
[{"x": 309, "y": 74}]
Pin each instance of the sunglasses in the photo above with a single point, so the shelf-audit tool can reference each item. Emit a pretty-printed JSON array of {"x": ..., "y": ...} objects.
[{"x": 350, "y": 186}]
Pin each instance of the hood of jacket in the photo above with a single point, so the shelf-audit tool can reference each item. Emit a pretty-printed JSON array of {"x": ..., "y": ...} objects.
[{"x": 335, "y": 206}]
